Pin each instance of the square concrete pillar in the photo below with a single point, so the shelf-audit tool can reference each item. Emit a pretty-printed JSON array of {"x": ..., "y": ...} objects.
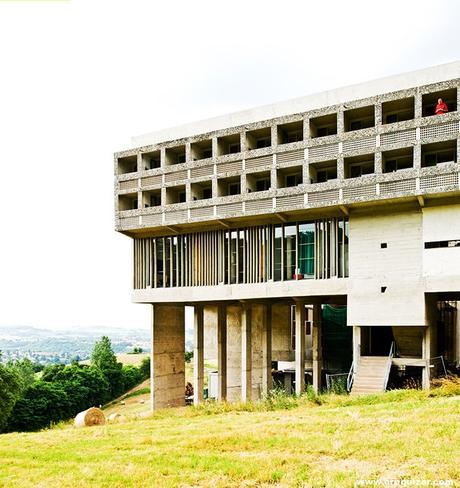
[
  {"x": 299, "y": 347},
  {"x": 356, "y": 347},
  {"x": 167, "y": 361},
  {"x": 222, "y": 352},
  {"x": 198, "y": 355},
  {"x": 233, "y": 353},
  {"x": 317, "y": 347},
  {"x": 426, "y": 349},
  {"x": 246, "y": 352},
  {"x": 267, "y": 382}
]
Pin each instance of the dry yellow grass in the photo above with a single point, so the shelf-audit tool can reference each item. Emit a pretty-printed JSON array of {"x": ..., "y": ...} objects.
[{"x": 403, "y": 435}]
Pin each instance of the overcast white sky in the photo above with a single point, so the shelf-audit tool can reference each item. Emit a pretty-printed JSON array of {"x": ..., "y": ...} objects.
[{"x": 79, "y": 78}]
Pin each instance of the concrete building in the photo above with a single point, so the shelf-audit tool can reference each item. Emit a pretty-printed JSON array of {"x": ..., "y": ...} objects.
[{"x": 264, "y": 220}]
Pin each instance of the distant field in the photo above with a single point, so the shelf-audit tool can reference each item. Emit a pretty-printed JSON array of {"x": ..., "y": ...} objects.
[
  {"x": 404, "y": 435},
  {"x": 133, "y": 359},
  {"x": 124, "y": 358}
]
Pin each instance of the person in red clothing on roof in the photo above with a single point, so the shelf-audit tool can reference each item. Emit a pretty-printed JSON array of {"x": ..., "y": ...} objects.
[{"x": 441, "y": 107}]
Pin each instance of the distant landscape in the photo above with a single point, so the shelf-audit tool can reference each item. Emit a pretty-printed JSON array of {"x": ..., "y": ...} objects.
[{"x": 62, "y": 346}]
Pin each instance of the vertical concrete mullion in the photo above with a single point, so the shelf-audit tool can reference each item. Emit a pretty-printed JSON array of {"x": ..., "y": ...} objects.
[
  {"x": 198, "y": 356},
  {"x": 299, "y": 347},
  {"x": 246, "y": 353},
  {"x": 267, "y": 383},
  {"x": 222, "y": 352},
  {"x": 317, "y": 347}
]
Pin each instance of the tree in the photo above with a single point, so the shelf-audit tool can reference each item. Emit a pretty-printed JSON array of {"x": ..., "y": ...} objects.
[
  {"x": 105, "y": 360},
  {"x": 10, "y": 389},
  {"x": 103, "y": 356},
  {"x": 144, "y": 368},
  {"x": 25, "y": 369},
  {"x": 132, "y": 376},
  {"x": 43, "y": 403}
]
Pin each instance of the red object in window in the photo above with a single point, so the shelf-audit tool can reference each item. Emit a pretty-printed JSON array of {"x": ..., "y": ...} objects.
[
  {"x": 441, "y": 108},
  {"x": 297, "y": 277}
]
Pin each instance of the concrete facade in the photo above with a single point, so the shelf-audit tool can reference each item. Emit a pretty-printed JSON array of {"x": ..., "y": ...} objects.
[{"x": 258, "y": 219}]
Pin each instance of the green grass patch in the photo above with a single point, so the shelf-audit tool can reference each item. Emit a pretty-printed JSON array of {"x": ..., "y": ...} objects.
[{"x": 141, "y": 391}]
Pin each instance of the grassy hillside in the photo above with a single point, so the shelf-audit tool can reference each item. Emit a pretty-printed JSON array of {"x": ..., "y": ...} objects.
[{"x": 282, "y": 442}]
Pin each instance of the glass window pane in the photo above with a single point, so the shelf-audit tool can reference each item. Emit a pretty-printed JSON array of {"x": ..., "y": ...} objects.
[
  {"x": 307, "y": 250},
  {"x": 289, "y": 252}
]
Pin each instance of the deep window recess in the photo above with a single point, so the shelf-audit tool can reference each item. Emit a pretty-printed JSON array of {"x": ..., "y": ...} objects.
[
  {"x": 398, "y": 159},
  {"x": 398, "y": 110},
  {"x": 325, "y": 125},
  {"x": 436, "y": 244},
  {"x": 292, "y": 132},
  {"x": 439, "y": 152},
  {"x": 359, "y": 118}
]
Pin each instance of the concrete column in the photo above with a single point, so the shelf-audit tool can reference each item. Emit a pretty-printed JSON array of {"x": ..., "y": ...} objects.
[
  {"x": 299, "y": 347},
  {"x": 167, "y": 380},
  {"x": 317, "y": 347},
  {"x": 233, "y": 353},
  {"x": 188, "y": 152},
  {"x": 378, "y": 162},
  {"x": 246, "y": 353},
  {"x": 418, "y": 105},
  {"x": 306, "y": 128},
  {"x": 163, "y": 157},
  {"x": 378, "y": 114},
  {"x": 356, "y": 347},
  {"x": 274, "y": 135},
  {"x": 340, "y": 120},
  {"x": 215, "y": 148},
  {"x": 222, "y": 352},
  {"x": 417, "y": 155},
  {"x": 426, "y": 350},
  {"x": 267, "y": 383},
  {"x": 198, "y": 356},
  {"x": 340, "y": 167}
]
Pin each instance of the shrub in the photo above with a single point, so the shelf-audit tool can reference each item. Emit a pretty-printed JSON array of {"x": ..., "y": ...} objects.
[
  {"x": 132, "y": 376},
  {"x": 10, "y": 388},
  {"x": 43, "y": 403},
  {"x": 144, "y": 368}
]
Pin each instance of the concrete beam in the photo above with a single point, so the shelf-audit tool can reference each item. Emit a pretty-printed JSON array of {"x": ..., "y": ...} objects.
[{"x": 198, "y": 356}]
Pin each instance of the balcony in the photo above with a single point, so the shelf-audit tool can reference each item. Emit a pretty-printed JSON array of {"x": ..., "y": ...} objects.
[
  {"x": 325, "y": 125},
  {"x": 127, "y": 164},
  {"x": 359, "y": 118}
]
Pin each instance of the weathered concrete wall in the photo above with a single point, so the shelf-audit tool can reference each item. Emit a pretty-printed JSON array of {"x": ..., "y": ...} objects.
[
  {"x": 168, "y": 348},
  {"x": 398, "y": 267},
  {"x": 281, "y": 333},
  {"x": 441, "y": 266},
  {"x": 210, "y": 334}
]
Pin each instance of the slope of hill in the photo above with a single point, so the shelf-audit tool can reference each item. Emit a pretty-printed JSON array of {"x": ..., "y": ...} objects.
[{"x": 404, "y": 435}]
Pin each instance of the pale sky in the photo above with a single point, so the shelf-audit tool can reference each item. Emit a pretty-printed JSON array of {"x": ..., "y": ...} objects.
[{"x": 79, "y": 78}]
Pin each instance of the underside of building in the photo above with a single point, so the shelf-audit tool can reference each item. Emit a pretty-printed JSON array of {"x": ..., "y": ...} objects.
[{"x": 317, "y": 240}]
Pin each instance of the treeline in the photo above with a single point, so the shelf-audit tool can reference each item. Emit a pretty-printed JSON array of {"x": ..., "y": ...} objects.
[{"x": 28, "y": 403}]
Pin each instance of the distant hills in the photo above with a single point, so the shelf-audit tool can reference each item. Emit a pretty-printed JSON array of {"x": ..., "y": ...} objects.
[{"x": 64, "y": 345}]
